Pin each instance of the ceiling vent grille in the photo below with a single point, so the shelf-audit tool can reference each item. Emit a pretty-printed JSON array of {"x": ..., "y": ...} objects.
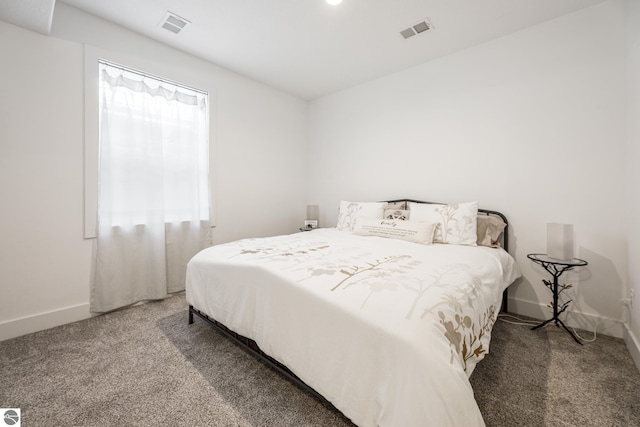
[
  {"x": 420, "y": 27},
  {"x": 173, "y": 23}
]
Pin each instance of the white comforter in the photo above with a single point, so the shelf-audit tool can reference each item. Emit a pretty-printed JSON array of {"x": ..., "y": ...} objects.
[{"x": 386, "y": 330}]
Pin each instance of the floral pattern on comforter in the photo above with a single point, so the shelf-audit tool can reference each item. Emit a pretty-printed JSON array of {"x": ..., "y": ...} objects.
[{"x": 434, "y": 305}]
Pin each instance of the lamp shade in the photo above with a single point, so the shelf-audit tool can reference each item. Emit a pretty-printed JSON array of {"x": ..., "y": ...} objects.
[{"x": 560, "y": 241}]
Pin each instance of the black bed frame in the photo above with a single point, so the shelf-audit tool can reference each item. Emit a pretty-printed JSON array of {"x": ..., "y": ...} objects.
[{"x": 251, "y": 347}]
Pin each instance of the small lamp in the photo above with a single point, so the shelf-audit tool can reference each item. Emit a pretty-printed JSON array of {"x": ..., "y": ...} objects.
[
  {"x": 312, "y": 216},
  {"x": 560, "y": 241}
]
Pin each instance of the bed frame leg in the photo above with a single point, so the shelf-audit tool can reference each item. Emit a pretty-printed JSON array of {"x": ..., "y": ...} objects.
[{"x": 190, "y": 314}]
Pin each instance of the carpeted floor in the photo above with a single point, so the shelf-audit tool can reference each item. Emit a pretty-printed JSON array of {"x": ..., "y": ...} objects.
[
  {"x": 544, "y": 378},
  {"x": 145, "y": 366}
]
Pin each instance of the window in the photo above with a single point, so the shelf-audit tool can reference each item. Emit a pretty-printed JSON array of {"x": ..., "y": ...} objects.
[
  {"x": 153, "y": 210},
  {"x": 153, "y": 149}
]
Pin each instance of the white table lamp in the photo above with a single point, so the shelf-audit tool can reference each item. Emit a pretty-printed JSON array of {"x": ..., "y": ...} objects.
[{"x": 560, "y": 241}]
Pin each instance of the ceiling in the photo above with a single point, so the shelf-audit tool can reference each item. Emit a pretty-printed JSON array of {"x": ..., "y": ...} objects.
[
  {"x": 309, "y": 48},
  {"x": 35, "y": 15}
]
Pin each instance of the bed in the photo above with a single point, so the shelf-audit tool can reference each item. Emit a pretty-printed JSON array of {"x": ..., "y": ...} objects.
[{"x": 383, "y": 317}]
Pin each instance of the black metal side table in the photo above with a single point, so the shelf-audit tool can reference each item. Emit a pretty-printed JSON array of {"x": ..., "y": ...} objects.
[{"x": 556, "y": 268}]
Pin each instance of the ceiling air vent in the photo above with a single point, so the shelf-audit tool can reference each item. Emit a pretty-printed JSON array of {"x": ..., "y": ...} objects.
[
  {"x": 173, "y": 22},
  {"x": 420, "y": 27}
]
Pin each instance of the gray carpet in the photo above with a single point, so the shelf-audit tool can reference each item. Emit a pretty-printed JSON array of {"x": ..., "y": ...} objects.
[{"x": 145, "y": 366}]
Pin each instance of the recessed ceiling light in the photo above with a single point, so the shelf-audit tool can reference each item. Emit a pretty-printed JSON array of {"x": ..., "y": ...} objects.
[{"x": 334, "y": 2}]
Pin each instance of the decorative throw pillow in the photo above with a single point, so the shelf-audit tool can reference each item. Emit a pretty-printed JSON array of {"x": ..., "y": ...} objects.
[
  {"x": 417, "y": 232},
  {"x": 489, "y": 230},
  {"x": 396, "y": 205},
  {"x": 349, "y": 211},
  {"x": 457, "y": 223},
  {"x": 396, "y": 214}
]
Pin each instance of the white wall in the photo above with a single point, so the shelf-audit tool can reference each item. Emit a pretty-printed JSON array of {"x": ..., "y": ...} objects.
[
  {"x": 44, "y": 262},
  {"x": 531, "y": 124},
  {"x": 632, "y": 337},
  {"x": 259, "y": 142}
]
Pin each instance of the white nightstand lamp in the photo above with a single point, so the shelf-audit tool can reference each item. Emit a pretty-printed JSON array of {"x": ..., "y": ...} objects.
[{"x": 560, "y": 241}]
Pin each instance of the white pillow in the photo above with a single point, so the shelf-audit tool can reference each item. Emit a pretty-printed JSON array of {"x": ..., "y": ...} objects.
[
  {"x": 457, "y": 222},
  {"x": 417, "y": 232},
  {"x": 352, "y": 210}
]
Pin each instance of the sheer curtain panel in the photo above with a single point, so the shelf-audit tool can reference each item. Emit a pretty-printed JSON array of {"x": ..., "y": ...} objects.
[{"x": 153, "y": 192}]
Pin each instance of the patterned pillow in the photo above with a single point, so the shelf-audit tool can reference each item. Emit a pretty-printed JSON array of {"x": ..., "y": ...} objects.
[
  {"x": 396, "y": 205},
  {"x": 416, "y": 232},
  {"x": 457, "y": 223},
  {"x": 396, "y": 214},
  {"x": 349, "y": 211}
]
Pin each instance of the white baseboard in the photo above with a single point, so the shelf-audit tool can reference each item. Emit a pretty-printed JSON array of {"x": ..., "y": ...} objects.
[
  {"x": 38, "y": 322},
  {"x": 633, "y": 345},
  {"x": 573, "y": 319}
]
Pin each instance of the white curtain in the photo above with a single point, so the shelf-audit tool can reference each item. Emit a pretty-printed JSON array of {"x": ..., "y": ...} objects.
[{"x": 153, "y": 197}]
